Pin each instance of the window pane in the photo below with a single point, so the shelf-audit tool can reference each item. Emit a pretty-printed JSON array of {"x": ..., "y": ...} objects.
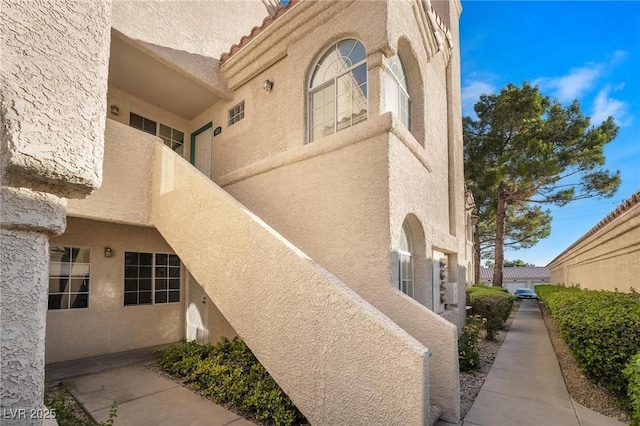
[
  {"x": 149, "y": 126},
  {"x": 130, "y": 258},
  {"x": 174, "y": 284},
  {"x": 178, "y": 136},
  {"x": 174, "y": 272},
  {"x": 130, "y": 285},
  {"x": 131, "y": 272},
  {"x": 174, "y": 296},
  {"x": 161, "y": 271},
  {"x": 144, "y": 284},
  {"x": 131, "y": 299},
  {"x": 79, "y": 300},
  {"x": 144, "y": 297},
  {"x": 57, "y": 285},
  {"x": 161, "y": 259},
  {"x": 135, "y": 121},
  {"x": 165, "y": 131},
  {"x": 161, "y": 284},
  {"x": 55, "y": 301},
  {"x": 59, "y": 269},
  {"x": 146, "y": 258},
  {"x": 174, "y": 260},
  {"x": 79, "y": 285},
  {"x": 144, "y": 271},
  {"x": 161, "y": 297},
  {"x": 80, "y": 270}
]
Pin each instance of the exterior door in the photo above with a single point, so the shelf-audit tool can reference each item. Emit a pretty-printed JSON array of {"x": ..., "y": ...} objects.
[
  {"x": 201, "y": 149},
  {"x": 197, "y": 313}
]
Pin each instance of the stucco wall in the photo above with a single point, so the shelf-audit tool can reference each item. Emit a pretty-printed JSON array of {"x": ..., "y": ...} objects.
[
  {"x": 127, "y": 104},
  {"x": 53, "y": 121},
  {"x": 108, "y": 326},
  {"x": 607, "y": 259},
  {"x": 202, "y": 27},
  {"x": 328, "y": 348},
  {"x": 125, "y": 194}
]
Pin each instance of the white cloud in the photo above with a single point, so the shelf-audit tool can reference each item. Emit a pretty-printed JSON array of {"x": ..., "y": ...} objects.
[
  {"x": 471, "y": 91},
  {"x": 573, "y": 85},
  {"x": 618, "y": 56},
  {"x": 579, "y": 81},
  {"x": 605, "y": 106}
]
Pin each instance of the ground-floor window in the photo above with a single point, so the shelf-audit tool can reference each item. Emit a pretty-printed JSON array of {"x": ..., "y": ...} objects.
[
  {"x": 69, "y": 271},
  {"x": 405, "y": 262},
  {"x": 151, "y": 278}
]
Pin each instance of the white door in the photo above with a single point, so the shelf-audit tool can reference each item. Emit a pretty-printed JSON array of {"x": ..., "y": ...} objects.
[
  {"x": 202, "y": 159},
  {"x": 197, "y": 310}
]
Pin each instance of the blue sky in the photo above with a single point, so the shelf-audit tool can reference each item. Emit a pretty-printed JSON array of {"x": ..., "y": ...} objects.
[{"x": 585, "y": 50}]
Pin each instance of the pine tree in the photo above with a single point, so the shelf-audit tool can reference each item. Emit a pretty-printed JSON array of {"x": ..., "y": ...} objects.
[{"x": 525, "y": 150}]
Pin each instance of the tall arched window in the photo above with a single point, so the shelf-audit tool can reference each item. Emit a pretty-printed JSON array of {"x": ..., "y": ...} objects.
[
  {"x": 397, "y": 90},
  {"x": 405, "y": 261},
  {"x": 338, "y": 89}
]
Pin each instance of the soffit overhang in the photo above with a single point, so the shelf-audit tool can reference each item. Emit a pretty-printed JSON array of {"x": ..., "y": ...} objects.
[{"x": 183, "y": 83}]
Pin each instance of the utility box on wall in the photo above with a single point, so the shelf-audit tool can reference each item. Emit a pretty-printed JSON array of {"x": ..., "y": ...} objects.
[{"x": 451, "y": 297}]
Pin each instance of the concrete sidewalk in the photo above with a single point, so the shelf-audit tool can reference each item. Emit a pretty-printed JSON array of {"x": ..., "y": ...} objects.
[
  {"x": 525, "y": 386},
  {"x": 144, "y": 397}
]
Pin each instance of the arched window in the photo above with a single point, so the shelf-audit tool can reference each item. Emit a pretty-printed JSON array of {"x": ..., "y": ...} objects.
[
  {"x": 338, "y": 89},
  {"x": 397, "y": 90},
  {"x": 405, "y": 261}
]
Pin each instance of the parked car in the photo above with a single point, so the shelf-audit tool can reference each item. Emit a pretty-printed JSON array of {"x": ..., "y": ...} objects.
[{"x": 525, "y": 293}]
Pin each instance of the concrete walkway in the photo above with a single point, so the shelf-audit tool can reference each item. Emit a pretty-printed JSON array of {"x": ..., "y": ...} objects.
[
  {"x": 144, "y": 397},
  {"x": 525, "y": 386}
]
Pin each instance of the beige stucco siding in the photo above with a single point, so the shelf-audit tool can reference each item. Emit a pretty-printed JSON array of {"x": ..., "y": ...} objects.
[
  {"x": 605, "y": 260},
  {"x": 202, "y": 27},
  {"x": 326, "y": 346},
  {"x": 108, "y": 326},
  {"x": 332, "y": 206},
  {"x": 127, "y": 104},
  {"x": 125, "y": 194}
]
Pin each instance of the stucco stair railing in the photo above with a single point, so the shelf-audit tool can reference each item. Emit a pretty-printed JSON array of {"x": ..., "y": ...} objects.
[{"x": 339, "y": 359}]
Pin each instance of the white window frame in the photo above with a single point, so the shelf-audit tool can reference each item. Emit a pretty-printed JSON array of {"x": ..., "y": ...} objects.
[
  {"x": 59, "y": 270},
  {"x": 236, "y": 113},
  {"x": 403, "y": 90},
  {"x": 173, "y": 140},
  {"x": 336, "y": 94},
  {"x": 154, "y": 278},
  {"x": 405, "y": 254}
]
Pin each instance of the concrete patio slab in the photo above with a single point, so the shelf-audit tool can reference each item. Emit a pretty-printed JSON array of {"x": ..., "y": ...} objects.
[
  {"x": 174, "y": 406},
  {"x": 144, "y": 397}
]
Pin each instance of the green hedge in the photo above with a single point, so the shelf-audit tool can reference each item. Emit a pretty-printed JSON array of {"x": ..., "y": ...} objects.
[
  {"x": 230, "y": 374},
  {"x": 491, "y": 303},
  {"x": 632, "y": 373},
  {"x": 468, "y": 354},
  {"x": 601, "y": 328}
]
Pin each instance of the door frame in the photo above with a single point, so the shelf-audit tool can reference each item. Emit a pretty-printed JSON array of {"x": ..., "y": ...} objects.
[{"x": 192, "y": 154}]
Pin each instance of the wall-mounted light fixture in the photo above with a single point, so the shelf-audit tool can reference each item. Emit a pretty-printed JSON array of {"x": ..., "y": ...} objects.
[
  {"x": 108, "y": 252},
  {"x": 115, "y": 110},
  {"x": 267, "y": 85}
]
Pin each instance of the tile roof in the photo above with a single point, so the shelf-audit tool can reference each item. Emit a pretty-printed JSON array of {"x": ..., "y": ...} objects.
[
  {"x": 257, "y": 30},
  {"x": 436, "y": 21},
  {"x": 516, "y": 272},
  {"x": 625, "y": 206}
]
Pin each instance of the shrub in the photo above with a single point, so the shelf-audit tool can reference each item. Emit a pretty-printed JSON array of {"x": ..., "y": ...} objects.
[
  {"x": 632, "y": 374},
  {"x": 492, "y": 304},
  {"x": 230, "y": 374},
  {"x": 490, "y": 287},
  {"x": 468, "y": 354},
  {"x": 601, "y": 329}
]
